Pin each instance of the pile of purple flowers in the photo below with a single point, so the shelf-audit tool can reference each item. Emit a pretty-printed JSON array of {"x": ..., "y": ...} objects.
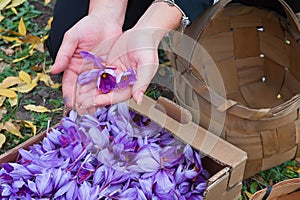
[
  {"x": 113, "y": 154},
  {"x": 107, "y": 80}
]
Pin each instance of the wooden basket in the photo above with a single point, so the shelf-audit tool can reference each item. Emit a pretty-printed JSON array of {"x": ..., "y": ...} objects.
[
  {"x": 254, "y": 45},
  {"x": 285, "y": 190}
]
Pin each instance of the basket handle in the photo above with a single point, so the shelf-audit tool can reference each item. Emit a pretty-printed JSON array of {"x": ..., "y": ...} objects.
[{"x": 291, "y": 16}]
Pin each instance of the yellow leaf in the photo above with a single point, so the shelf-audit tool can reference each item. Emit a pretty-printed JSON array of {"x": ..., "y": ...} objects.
[
  {"x": 295, "y": 169},
  {"x": 46, "y": 79},
  {"x": 44, "y": 38},
  {"x": 10, "y": 81},
  {"x": 2, "y": 99},
  {"x": 39, "y": 109},
  {"x": 22, "y": 27},
  {"x": 13, "y": 101},
  {"x": 11, "y": 39},
  {"x": 36, "y": 79},
  {"x": 20, "y": 59},
  {"x": 55, "y": 86},
  {"x": 4, "y": 3},
  {"x": 49, "y": 23},
  {"x": 14, "y": 10},
  {"x": 25, "y": 77},
  {"x": 40, "y": 47},
  {"x": 30, "y": 124},
  {"x": 15, "y": 3},
  {"x": 1, "y": 17},
  {"x": 2, "y": 140},
  {"x": 15, "y": 45},
  {"x": 12, "y": 128},
  {"x": 32, "y": 39},
  {"x": 32, "y": 49},
  {"x": 8, "y": 93},
  {"x": 47, "y": 2},
  {"x": 24, "y": 88},
  {"x": 3, "y": 111},
  {"x": 249, "y": 195}
]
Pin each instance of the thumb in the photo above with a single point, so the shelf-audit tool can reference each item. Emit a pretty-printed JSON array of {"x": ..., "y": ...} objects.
[
  {"x": 145, "y": 72},
  {"x": 65, "y": 52}
]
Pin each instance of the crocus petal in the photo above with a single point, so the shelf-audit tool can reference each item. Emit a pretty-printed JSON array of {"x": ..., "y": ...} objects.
[
  {"x": 164, "y": 183},
  {"x": 43, "y": 182},
  {"x": 84, "y": 191},
  {"x": 148, "y": 164},
  {"x": 5, "y": 178},
  {"x": 88, "y": 76},
  {"x": 184, "y": 187},
  {"x": 93, "y": 58},
  {"x": 107, "y": 81},
  {"x": 126, "y": 79},
  {"x": 65, "y": 188},
  {"x": 32, "y": 186}
]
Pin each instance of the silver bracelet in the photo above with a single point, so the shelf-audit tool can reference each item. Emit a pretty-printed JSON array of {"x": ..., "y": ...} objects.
[{"x": 184, "y": 20}]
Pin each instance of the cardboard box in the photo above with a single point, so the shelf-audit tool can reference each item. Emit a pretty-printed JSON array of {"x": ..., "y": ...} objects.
[{"x": 225, "y": 162}]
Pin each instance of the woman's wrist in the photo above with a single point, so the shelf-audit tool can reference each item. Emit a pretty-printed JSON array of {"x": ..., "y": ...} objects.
[
  {"x": 109, "y": 11},
  {"x": 161, "y": 17}
]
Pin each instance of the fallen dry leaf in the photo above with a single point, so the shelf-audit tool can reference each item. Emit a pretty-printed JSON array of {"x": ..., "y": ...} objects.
[
  {"x": 15, "y": 3},
  {"x": 2, "y": 140},
  {"x": 3, "y": 65},
  {"x": 34, "y": 108},
  {"x": 29, "y": 124},
  {"x": 4, "y": 3},
  {"x": 8, "y": 51},
  {"x": 10, "y": 81},
  {"x": 24, "y": 76},
  {"x": 49, "y": 23},
  {"x": 8, "y": 93},
  {"x": 12, "y": 128},
  {"x": 13, "y": 101},
  {"x": 14, "y": 10},
  {"x": 47, "y": 2},
  {"x": 11, "y": 39},
  {"x": 20, "y": 59},
  {"x": 1, "y": 17},
  {"x": 24, "y": 88},
  {"x": 2, "y": 99},
  {"x": 40, "y": 47},
  {"x": 3, "y": 111},
  {"x": 22, "y": 28}
]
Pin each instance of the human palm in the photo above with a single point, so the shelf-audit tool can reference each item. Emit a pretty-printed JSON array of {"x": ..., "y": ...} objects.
[
  {"x": 133, "y": 49},
  {"x": 86, "y": 35}
]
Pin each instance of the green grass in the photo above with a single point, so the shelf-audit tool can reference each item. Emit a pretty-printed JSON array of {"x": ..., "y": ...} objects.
[{"x": 38, "y": 62}]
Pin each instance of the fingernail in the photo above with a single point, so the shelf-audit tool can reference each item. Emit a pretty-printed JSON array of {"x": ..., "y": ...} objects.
[{"x": 140, "y": 98}]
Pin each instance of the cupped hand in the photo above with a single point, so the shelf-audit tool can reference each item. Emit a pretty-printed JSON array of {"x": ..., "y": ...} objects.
[
  {"x": 87, "y": 34},
  {"x": 135, "y": 48}
]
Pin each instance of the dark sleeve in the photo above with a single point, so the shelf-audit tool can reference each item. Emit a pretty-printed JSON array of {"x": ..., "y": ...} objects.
[{"x": 193, "y": 8}]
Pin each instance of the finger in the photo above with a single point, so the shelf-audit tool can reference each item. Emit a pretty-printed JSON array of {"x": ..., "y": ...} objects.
[
  {"x": 93, "y": 98},
  {"x": 92, "y": 110},
  {"x": 65, "y": 52},
  {"x": 69, "y": 87},
  {"x": 144, "y": 73},
  {"x": 87, "y": 87},
  {"x": 81, "y": 110}
]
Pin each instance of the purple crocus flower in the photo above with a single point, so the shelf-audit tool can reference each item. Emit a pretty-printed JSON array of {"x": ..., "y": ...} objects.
[
  {"x": 107, "y": 80},
  {"x": 112, "y": 154},
  {"x": 126, "y": 79}
]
